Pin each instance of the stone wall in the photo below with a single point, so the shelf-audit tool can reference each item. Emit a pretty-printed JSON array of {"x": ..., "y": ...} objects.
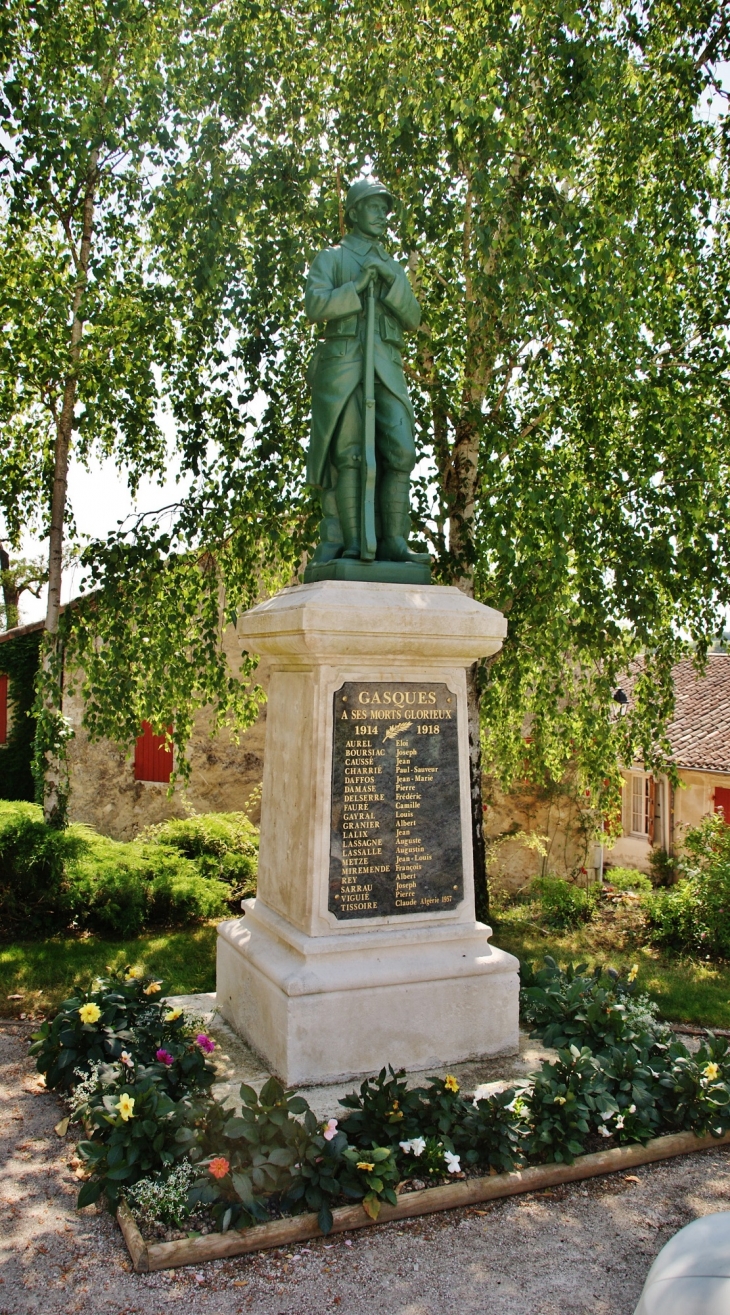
[
  {"x": 513, "y": 824},
  {"x": 105, "y": 795}
]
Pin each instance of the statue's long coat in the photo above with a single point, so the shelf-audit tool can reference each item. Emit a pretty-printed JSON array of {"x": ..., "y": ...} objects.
[{"x": 336, "y": 367}]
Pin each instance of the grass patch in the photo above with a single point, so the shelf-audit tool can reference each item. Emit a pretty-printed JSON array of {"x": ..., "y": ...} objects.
[
  {"x": 43, "y": 972},
  {"x": 687, "y": 990}
]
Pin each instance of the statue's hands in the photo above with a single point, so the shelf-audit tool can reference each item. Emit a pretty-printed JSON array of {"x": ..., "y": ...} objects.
[{"x": 373, "y": 268}]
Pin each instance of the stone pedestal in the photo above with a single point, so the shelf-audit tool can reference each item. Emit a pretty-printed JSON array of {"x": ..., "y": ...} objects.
[{"x": 361, "y": 947}]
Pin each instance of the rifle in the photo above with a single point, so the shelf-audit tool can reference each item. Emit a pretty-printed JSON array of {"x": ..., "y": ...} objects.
[{"x": 368, "y": 541}]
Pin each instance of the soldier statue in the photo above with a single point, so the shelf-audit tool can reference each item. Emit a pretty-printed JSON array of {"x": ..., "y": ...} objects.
[{"x": 362, "y": 448}]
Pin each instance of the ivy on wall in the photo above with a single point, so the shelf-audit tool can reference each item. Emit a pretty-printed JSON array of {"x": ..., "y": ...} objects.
[{"x": 19, "y": 660}]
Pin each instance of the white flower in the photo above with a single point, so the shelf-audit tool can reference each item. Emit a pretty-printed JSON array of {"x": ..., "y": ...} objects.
[
  {"x": 604, "y": 1132},
  {"x": 416, "y": 1146},
  {"x": 488, "y": 1089},
  {"x": 632, "y": 1109},
  {"x": 452, "y": 1162},
  {"x": 606, "y": 1116},
  {"x": 126, "y": 1059},
  {"x": 620, "y": 1121}
]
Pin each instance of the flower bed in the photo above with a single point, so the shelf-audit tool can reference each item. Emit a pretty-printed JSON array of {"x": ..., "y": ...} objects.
[
  {"x": 137, "y": 1074},
  {"x": 148, "y": 1257}
]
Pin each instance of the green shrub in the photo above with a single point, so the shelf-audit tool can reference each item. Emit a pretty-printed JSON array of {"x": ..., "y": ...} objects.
[
  {"x": 570, "y": 1005},
  {"x": 664, "y": 867},
  {"x": 385, "y": 1110},
  {"x": 694, "y": 915},
  {"x": 34, "y": 894},
  {"x": 223, "y": 846},
  {"x": 564, "y": 905},
  {"x": 128, "y": 1022},
  {"x": 135, "y": 1132},
  {"x": 628, "y": 879},
  {"x": 52, "y": 880},
  {"x": 697, "y": 1088},
  {"x": 564, "y": 1102},
  {"x": 491, "y": 1132}
]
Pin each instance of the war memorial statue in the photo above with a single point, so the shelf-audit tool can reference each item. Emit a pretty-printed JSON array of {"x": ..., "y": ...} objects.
[
  {"x": 362, "y": 448},
  {"x": 362, "y": 947}
]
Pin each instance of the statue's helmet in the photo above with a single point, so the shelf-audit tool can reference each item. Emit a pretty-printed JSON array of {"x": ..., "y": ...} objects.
[{"x": 364, "y": 187}]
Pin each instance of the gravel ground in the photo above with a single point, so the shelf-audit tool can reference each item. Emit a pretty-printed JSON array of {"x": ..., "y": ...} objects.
[{"x": 569, "y": 1251}]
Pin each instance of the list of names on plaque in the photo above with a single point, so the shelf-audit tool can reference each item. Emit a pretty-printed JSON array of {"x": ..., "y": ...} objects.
[{"x": 396, "y": 820}]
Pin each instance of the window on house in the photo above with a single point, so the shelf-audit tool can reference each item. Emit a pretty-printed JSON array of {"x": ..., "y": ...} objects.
[
  {"x": 639, "y": 805},
  {"x": 152, "y": 757},
  {"x": 721, "y": 802},
  {"x": 3, "y": 708}
]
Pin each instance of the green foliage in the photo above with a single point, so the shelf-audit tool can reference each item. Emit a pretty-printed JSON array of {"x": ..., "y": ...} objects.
[
  {"x": 128, "y": 1020},
  {"x": 44, "y": 973},
  {"x": 164, "y": 1197},
  {"x": 697, "y": 1088},
  {"x": 76, "y": 877},
  {"x": 317, "y": 1180},
  {"x": 385, "y": 1110},
  {"x": 224, "y": 847},
  {"x": 564, "y": 904},
  {"x": 137, "y": 1077},
  {"x": 492, "y": 1132},
  {"x": 130, "y": 1141},
  {"x": 34, "y": 859},
  {"x": 562, "y": 205},
  {"x": 262, "y": 1147},
  {"x": 19, "y": 661},
  {"x": 664, "y": 867},
  {"x": 425, "y": 1158},
  {"x": 568, "y": 1005},
  {"x": 628, "y": 879},
  {"x": 371, "y": 1176},
  {"x": 563, "y": 1103},
  {"x": 694, "y": 915}
]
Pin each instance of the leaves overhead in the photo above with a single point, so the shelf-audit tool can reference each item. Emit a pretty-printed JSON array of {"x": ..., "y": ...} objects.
[{"x": 562, "y": 190}]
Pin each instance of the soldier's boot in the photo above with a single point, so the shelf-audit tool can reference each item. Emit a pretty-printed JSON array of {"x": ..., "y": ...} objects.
[
  {"x": 395, "y": 487},
  {"x": 348, "y": 509}
]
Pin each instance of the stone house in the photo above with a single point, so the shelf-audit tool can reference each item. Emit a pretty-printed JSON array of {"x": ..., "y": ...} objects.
[
  {"x": 119, "y": 791},
  {"x": 654, "y": 816}
]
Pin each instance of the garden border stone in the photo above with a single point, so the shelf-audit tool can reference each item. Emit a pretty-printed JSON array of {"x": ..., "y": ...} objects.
[{"x": 149, "y": 1256}]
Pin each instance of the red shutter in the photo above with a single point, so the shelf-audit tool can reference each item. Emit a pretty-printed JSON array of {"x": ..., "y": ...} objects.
[
  {"x": 3, "y": 708},
  {"x": 152, "y": 759},
  {"x": 722, "y": 802}
]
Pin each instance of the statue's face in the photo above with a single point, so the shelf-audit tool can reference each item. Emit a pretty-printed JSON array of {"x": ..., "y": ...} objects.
[{"x": 371, "y": 215}]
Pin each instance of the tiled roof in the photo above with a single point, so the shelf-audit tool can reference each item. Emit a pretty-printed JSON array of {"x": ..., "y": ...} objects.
[{"x": 700, "y": 731}]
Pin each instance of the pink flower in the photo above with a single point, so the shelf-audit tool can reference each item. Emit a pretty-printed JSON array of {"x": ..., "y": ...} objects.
[
  {"x": 165, "y": 1057},
  {"x": 330, "y": 1130},
  {"x": 205, "y": 1043},
  {"x": 219, "y": 1166}
]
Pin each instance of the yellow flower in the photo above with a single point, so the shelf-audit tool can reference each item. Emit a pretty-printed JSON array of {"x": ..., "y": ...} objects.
[
  {"x": 89, "y": 1013},
  {"x": 173, "y": 1015},
  {"x": 559, "y": 1100},
  {"x": 153, "y": 988},
  {"x": 367, "y": 1168},
  {"x": 634, "y": 973},
  {"x": 125, "y": 1105},
  {"x": 711, "y": 1071},
  {"x": 133, "y": 974},
  {"x": 450, "y": 1083}
]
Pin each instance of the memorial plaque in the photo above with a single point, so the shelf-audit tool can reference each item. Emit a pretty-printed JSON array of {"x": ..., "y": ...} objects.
[{"x": 395, "y": 844}]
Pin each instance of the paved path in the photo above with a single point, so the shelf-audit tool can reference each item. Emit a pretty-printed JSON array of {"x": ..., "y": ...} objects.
[{"x": 574, "y": 1251}]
